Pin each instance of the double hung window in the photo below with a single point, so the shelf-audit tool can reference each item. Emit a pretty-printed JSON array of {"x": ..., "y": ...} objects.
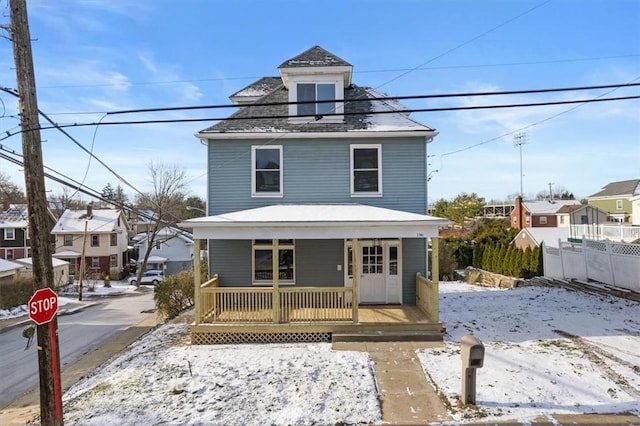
[
  {"x": 366, "y": 170},
  {"x": 9, "y": 233},
  {"x": 266, "y": 176},
  {"x": 263, "y": 262}
]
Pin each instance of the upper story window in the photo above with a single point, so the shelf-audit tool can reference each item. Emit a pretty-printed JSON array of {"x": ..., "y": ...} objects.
[
  {"x": 9, "y": 233},
  {"x": 113, "y": 239},
  {"x": 618, "y": 204},
  {"x": 95, "y": 240},
  {"x": 68, "y": 240},
  {"x": 312, "y": 92},
  {"x": 266, "y": 173},
  {"x": 543, "y": 220},
  {"x": 366, "y": 170}
]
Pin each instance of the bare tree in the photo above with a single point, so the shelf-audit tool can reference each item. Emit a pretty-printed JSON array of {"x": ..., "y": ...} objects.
[
  {"x": 166, "y": 200},
  {"x": 9, "y": 191},
  {"x": 65, "y": 200}
]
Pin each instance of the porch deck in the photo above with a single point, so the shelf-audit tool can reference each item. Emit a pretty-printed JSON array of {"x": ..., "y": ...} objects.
[
  {"x": 377, "y": 322},
  {"x": 310, "y": 314}
]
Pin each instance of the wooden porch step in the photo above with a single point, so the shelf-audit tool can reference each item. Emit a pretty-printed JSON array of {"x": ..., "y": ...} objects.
[{"x": 389, "y": 336}]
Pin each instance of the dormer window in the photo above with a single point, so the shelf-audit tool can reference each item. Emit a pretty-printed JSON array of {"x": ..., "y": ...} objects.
[
  {"x": 311, "y": 92},
  {"x": 313, "y": 89}
]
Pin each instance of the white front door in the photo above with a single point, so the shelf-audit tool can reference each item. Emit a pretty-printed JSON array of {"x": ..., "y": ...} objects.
[
  {"x": 379, "y": 278},
  {"x": 372, "y": 283}
]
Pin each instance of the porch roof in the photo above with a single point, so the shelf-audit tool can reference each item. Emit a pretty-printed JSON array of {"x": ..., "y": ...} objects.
[{"x": 315, "y": 221}]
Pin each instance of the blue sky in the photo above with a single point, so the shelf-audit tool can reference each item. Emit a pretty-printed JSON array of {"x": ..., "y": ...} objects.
[{"x": 96, "y": 56}]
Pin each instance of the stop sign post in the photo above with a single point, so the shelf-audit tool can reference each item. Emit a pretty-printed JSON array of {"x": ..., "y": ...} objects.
[{"x": 43, "y": 305}]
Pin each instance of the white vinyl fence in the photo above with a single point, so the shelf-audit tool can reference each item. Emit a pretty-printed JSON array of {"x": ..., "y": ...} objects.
[{"x": 616, "y": 264}]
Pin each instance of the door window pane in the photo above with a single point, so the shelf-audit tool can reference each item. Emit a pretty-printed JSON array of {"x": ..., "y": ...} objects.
[{"x": 393, "y": 260}]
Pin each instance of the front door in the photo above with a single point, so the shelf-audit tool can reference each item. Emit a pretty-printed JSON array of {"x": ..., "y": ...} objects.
[
  {"x": 379, "y": 278},
  {"x": 372, "y": 282}
]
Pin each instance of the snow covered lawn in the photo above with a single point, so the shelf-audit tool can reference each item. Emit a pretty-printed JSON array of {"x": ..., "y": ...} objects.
[
  {"x": 546, "y": 351},
  {"x": 163, "y": 380}
]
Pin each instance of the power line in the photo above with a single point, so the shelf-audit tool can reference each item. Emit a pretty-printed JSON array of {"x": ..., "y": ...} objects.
[
  {"x": 312, "y": 116},
  {"x": 382, "y": 98}
]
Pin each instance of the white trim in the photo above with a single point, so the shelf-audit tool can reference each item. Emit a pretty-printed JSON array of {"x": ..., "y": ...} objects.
[
  {"x": 255, "y": 247},
  {"x": 334, "y": 79},
  {"x": 254, "y": 193},
  {"x": 290, "y": 134},
  {"x": 12, "y": 237},
  {"x": 352, "y": 148}
]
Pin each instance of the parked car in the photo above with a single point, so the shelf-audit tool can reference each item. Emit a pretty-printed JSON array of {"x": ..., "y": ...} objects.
[{"x": 149, "y": 277}]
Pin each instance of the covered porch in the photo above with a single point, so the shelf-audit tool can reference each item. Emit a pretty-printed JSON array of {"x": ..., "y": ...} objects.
[{"x": 293, "y": 313}]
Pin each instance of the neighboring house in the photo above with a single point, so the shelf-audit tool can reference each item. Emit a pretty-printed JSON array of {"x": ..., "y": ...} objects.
[
  {"x": 14, "y": 231},
  {"x": 172, "y": 250},
  {"x": 61, "y": 276},
  {"x": 144, "y": 221},
  {"x": 100, "y": 236},
  {"x": 617, "y": 198},
  {"x": 540, "y": 214},
  {"x": 635, "y": 210},
  {"x": 533, "y": 237},
  {"x": 319, "y": 204}
]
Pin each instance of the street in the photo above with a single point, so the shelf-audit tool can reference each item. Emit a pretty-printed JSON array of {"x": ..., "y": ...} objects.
[{"x": 78, "y": 333}]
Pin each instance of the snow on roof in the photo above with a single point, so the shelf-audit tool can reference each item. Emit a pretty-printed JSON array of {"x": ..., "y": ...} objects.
[
  {"x": 389, "y": 115},
  {"x": 7, "y": 265},
  {"x": 101, "y": 221},
  {"x": 546, "y": 206},
  {"x": 316, "y": 221},
  {"x": 29, "y": 261},
  {"x": 318, "y": 213},
  {"x": 69, "y": 254},
  {"x": 549, "y": 235}
]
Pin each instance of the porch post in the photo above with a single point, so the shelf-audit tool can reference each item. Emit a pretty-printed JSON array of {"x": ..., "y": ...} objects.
[
  {"x": 196, "y": 280},
  {"x": 355, "y": 252},
  {"x": 435, "y": 278},
  {"x": 275, "y": 271}
]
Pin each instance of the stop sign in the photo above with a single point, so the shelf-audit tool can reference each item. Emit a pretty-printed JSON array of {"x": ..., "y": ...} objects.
[{"x": 43, "y": 305}]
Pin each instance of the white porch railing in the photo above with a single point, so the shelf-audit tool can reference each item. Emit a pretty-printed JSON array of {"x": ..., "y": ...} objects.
[{"x": 600, "y": 231}]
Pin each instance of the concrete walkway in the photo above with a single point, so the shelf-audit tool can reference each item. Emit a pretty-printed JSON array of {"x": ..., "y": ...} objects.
[{"x": 406, "y": 396}]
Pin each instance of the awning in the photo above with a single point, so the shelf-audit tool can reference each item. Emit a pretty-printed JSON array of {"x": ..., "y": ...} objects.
[
  {"x": 315, "y": 221},
  {"x": 69, "y": 254}
]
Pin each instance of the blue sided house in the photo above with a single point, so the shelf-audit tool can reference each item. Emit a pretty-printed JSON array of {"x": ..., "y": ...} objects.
[{"x": 316, "y": 225}]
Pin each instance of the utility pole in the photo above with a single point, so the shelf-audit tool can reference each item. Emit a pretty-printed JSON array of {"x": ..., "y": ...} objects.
[
  {"x": 520, "y": 139},
  {"x": 48, "y": 352}
]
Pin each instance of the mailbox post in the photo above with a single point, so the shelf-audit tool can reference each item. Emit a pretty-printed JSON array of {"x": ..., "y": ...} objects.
[{"x": 472, "y": 352}]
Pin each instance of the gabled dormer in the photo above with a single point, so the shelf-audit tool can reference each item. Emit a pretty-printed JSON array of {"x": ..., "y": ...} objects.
[{"x": 312, "y": 76}]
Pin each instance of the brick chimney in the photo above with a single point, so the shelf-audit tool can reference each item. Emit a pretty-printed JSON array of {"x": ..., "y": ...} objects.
[
  {"x": 5, "y": 205},
  {"x": 89, "y": 210}
]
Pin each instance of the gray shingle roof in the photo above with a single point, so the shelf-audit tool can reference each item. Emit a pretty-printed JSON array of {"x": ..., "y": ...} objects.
[
  {"x": 260, "y": 88},
  {"x": 625, "y": 187},
  {"x": 314, "y": 57},
  {"x": 247, "y": 119}
]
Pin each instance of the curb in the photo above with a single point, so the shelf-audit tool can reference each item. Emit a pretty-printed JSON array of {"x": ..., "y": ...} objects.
[{"x": 22, "y": 323}]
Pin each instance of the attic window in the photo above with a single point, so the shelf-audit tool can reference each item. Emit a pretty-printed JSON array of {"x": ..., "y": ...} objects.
[{"x": 312, "y": 92}]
